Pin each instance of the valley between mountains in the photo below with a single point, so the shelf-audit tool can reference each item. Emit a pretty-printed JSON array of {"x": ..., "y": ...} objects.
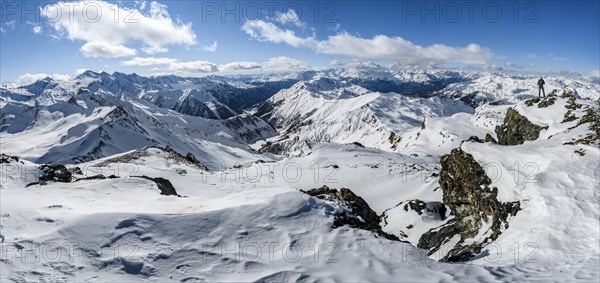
[{"x": 360, "y": 173}]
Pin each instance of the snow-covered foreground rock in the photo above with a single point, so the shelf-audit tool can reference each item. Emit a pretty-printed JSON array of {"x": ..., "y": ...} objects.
[{"x": 150, "y": 192}]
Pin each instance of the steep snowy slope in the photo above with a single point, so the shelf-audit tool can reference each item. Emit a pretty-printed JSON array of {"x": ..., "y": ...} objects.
[
  {"x": 509, "y": 190},
  {"x": 91, "y": 126},
  {"x": 554, "y": 178},
  {"x": 329, "y": 110},
  {"x": 511, "y": 88}
]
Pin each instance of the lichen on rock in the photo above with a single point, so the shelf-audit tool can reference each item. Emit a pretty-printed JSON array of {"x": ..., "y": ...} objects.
[
  {"x": 516, "y": 129},
  {"x": 467, "y": 192},
  {"x": 592, "y": 118}
]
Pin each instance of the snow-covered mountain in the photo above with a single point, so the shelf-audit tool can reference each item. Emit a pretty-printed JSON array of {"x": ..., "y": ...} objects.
[{"x": 360, "y": 173}]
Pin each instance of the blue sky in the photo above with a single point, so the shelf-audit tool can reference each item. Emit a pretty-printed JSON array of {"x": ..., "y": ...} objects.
[{"x": 200, "y": 37}]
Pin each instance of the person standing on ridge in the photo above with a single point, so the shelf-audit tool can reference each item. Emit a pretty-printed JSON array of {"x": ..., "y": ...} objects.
[{"x": 541, "y": 83}]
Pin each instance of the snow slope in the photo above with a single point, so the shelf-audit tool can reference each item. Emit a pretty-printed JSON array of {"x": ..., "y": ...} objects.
[{"x": 241, "y": 215}]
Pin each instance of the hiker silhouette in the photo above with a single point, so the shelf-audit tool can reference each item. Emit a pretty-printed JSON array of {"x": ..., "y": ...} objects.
[{"x": 541, "y": 90}]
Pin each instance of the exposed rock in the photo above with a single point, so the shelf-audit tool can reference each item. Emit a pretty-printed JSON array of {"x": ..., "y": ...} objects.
[
  {"x": 270, "y": 147},
  {"x": 394, "y": 140},
  {"x": 572, "y": 103},
  {"x": 474, "y": 139},
  {"x": 567, "y": 94},
  {"x": 569, "y": 117},
  {"x": 547, "y": 101},
  {"x": 164, "y": 185},
  {"x": 489, "y": 138},
  {"x": 432, "y": 207},
  {"x": 171, "y": 154},
  {"x": 467, "y": 192},
  {"x": 8, "y": 158},
  {"x": 76, "y": 171},
  {"x": 358, "y": 144},
  {"x": 531, "y": 102},
  {"x": 591, "y": 117},
  {"x": 517, "y": 129},
  {"x": 358, "y": 213},
  {"x": 55, "y": 173},
  {"x": 191, "y": 158},
  {"x": 96, "y": 177}
]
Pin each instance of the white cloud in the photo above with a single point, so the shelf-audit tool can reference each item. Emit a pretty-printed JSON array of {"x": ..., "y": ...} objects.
[
  {"x": 290, "y": 17},
  {"x": 283, "y": 63},
  {"x": 264, "y": 31},
  {"x": 510, "y": 64},
  {"x": 141, "y": 4},
  {"x": 336, "y": 63},
  {"x": 27, "y": 78},
  {"x": 37, "y": 29},
  {"x": 532, "y": 56},
  {"x": 379, "y": 47},
  {"x": 401, "y": 50},
  {"x": 194, "y": 67},
  {"x": 8, "y": 24},
  {"x": 593, "y": 76},
  {"x": 102, "y": 49},
  {"x": 153, "y": 50},
  {"x": 237, "y": 66},
  {"x": 210, "y": 48},
  {"x": 148, "y": 61},
  {"x": 99, "y": 21},
  {"x": 557, "y": 58}
]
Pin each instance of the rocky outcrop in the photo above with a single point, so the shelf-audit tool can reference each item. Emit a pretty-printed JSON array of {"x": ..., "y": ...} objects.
[
  {"x": 547, "y": 101},
  {"x": 357, "y": 214},
  {"x": 170, "y": 154},
  {"x": 164, "y": 185},
  {"x": 474, "y": 139},
  {"x": 420, "y": 207},
  {"x": 517, "y": 129},
  {"x": 4, "y": 158},
  {"x": 489, "y": 138},
  {"x": 54, "y": 173},
  {"x": 467, "y": 192},
  {"x": 592, "y": 118}
]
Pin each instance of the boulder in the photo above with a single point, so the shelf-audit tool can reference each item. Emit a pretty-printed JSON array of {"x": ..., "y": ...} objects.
[
  {"x": 357, "y": 214},
  {"x": 517, "y": 129},
  {"x": 164, "y": 185}
]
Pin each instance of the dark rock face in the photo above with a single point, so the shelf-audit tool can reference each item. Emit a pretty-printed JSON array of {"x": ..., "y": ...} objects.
[
  {"x": 489, "y": 138},
  {"x": 474, "y": 139},
  {"x": 55, "y": 173},
  {"x": 270, "y": 147},
  {"x": 547, "y": 101},
  {"x": 592, "y": 118},
  {"x": 467, "y": 192},
  {"x": 191, "y": 158},
  {"x": 432, "y": 207},
  {"x": 358, "y": 215},
  {"x": 164, "y": 185},
  {"x": 8, "y": 158},
  {"x": 517, "y": 129}
]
